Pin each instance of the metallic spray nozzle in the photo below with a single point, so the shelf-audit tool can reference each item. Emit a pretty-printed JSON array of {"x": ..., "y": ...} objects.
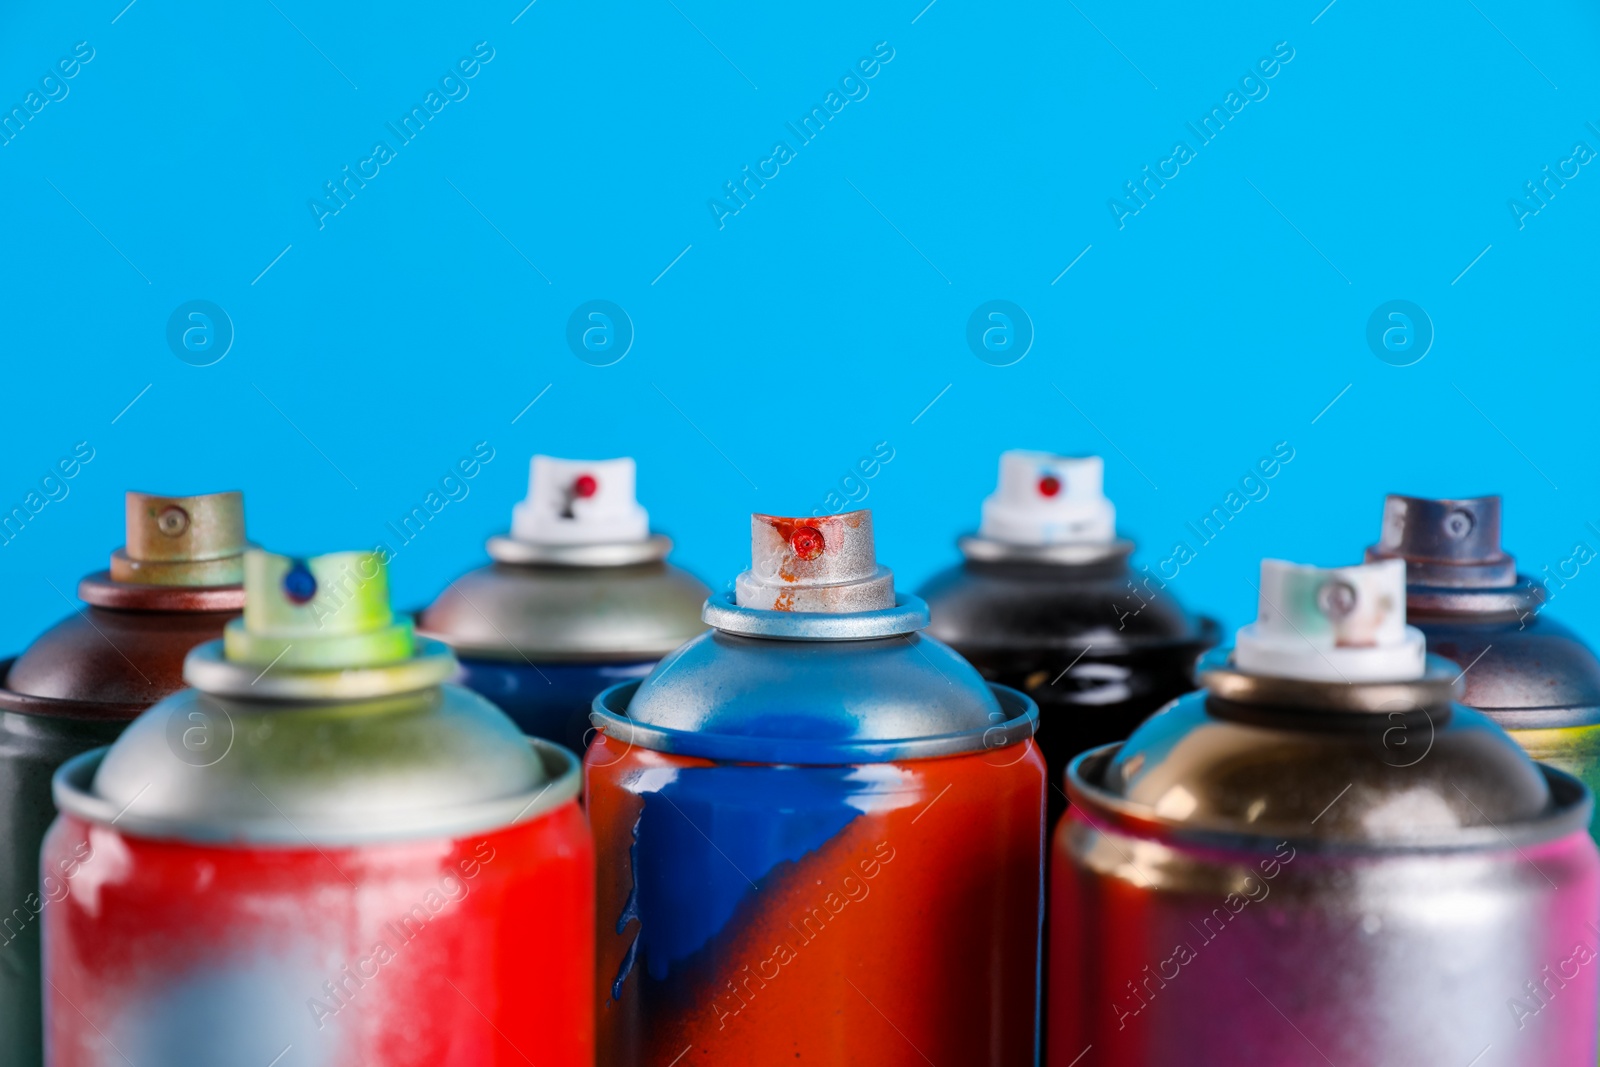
[
  {"x": 182, "y": 540},
  {"x": 825, "y": 564},
  {"x": 1449, "y": 543}
]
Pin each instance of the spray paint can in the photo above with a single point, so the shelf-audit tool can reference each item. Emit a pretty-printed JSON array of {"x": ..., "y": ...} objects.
[
  {"x": 1046, "y": 602},
  {"x": 171, "y": 586},
  {"x": 319, "y": 852},
  {"x": 1523, "y": 669},
  {"x": 1321, "y": 858},
  {"x": 819, "y": 830},
  {"x": 579, "y": 596}
]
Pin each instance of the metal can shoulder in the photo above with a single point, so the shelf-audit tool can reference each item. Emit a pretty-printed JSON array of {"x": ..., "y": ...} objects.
[
  {"x": 1430, "y": 777},
  {"x": 200, "y": 767},
  {"x": 729, "y": 696},
  {"x": 559, "y": 613},
  {"x": 69, "y": 670},
  {"x": 1023, "y": 603},
  {"x": 1527, "y": 673}
]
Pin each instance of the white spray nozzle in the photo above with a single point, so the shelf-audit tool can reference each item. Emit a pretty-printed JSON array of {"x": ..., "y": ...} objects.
[
  {"x": 1045, "y": 499},
  {"x": 574, "y": 502},
  {"x": 1332, "y": 624}
]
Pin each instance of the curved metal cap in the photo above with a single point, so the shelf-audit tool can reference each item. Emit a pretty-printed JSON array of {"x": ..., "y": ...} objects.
[
  {"x": 567, "y": 614},
  {"x": 1374, "y": 764},
  {"x": 439, "y": 762},
  {"x": 1454, "y": 544},
  {"x": 857, "y": 683},
  {"x": 316, "y": 718}
]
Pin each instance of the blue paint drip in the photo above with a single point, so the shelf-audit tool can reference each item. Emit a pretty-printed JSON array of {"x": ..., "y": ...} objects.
[
  {"x": 630, "y": 913},
  {"x": 706, "y": 838}
]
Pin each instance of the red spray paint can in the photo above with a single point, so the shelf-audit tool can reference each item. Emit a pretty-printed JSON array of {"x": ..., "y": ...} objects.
[{"x": 320, "y": 855}]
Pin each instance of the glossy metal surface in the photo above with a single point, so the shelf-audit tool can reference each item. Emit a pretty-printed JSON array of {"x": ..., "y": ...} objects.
[
  {"x": 1273, "y": 883},
  {"x": 907, "y": 615},
  {"x": 753, "y": 914},
  {"x": 558, "y": 614},
  {"x": 1096, "y": 645},
  {"x": 843, "y": 692}
]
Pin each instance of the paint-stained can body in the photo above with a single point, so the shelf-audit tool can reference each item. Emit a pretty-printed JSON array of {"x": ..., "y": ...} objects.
[
  {"x": 552, "y": 700},
  {"x": 1322, "y": 858},
  {"x": 1172, "y": 950},
  {"x": 1045, "y": 601},
  {"x": 392, "y": 953},
  {"x": 355, "y": 864},
  {"x": 579, "y": 597},
  {"x": 173, "y": 586},
  {"x": 1523, "y": 669},
  {"x": 820, "y": 836}
]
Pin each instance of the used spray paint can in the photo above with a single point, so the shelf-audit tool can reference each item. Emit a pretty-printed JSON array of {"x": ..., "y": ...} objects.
[
  {"x": 170, "y": 587},
  {"x": 1046, "y": 602},
  {"x": 1321, "y": 858},
  {"x": 820, "y": 832},
  {"x": 320, "y": 855},
  {"x": 579, "y": 596},
  {"x": 1522, "y": 668}
]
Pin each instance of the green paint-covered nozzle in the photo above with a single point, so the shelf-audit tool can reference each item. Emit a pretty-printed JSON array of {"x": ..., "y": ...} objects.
[{"x": 324, "y": 613}]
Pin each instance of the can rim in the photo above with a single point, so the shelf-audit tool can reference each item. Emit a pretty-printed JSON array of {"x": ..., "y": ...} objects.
[
  {"x": 980, "y": 549},
  {"x": 610, "y": 715},
  {"x": 104, "y": 591},
  {"x": 722, "y": 611},
  {"x": 503, "y": 548},
  {"x": 206, "y": 668},
  {"x": 72, "y": 788},
  {"x": 1569, "y": 810}
]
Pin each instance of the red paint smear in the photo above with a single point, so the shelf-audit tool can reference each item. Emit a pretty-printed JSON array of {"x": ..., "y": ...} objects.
[
  {"x": 1049, "y": 485},
  {"x": 517, "y": 946},
  {"x": 585, "y": 485}
]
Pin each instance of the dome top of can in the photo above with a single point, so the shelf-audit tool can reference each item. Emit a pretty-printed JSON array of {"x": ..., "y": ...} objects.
[
  {"x": 579, "y": 579},
  {"x": 814, "y": 659},
  {"x": 1333, "y": 624},
  {"x": 317, "y": 718},
  {"x": 1045, "y": 499}
]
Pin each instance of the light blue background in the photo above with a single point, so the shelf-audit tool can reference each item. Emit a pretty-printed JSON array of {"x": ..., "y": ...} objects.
[{"x": 827, "y": 314}]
